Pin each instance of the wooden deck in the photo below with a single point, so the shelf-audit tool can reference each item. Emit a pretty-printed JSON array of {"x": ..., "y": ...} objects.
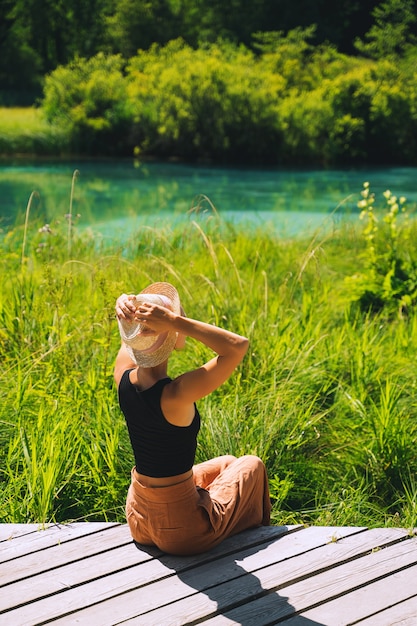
[{"x": 93, "y": 574}]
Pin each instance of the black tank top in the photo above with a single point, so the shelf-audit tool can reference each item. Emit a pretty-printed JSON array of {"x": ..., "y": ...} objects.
[{"x": 160, "y": 448}]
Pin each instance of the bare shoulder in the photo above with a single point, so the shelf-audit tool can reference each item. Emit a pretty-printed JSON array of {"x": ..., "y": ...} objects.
[{"x": 176, "y": 407}]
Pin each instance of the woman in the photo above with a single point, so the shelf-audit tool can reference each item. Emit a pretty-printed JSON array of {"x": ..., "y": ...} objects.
[{"x": 180, "y": 507}]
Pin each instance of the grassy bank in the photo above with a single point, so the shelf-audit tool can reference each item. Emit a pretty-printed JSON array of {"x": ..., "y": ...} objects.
[
  {"x": 24, "y": 131},
  {"x": 327, "y": 394}
]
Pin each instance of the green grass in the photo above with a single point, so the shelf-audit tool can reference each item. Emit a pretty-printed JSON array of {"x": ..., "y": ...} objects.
[
  {"x": 24, "y": 131},
  {"x": 326, "y": 395},
  {"x": 14, "y": 118}
]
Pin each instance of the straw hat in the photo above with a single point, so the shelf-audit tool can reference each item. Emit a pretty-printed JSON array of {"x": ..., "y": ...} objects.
[{"x": 150, "y": 350}]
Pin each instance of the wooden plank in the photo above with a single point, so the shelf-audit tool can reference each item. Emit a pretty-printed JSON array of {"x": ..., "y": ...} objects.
[
  {"x": 75, "y": 529},
  {"x": 317, "y": 588},
  {"x": 216, "y": 576},
  {"x": 11, "y": 531},
  {"x": 62, "y": 569},
  {"x": 70, "y": 577},
  {"x": 51, "y": 536},
  {"x": 122, "y": 580},
  {"x": 64, "y": 554},
  {"x": 403, "y": 614},
  {"x": 185, "y": 582},
  {"x": 368, "y": 605},
  {"x": 207, "y": 581},
  {"x": 196, "y": 607}
]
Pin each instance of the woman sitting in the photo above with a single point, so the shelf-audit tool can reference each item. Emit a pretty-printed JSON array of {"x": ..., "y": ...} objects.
[{"x": 180, "y": 507}]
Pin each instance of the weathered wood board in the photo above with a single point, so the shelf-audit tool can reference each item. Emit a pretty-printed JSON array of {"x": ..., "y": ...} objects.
[{"x": 92, "y": 573}]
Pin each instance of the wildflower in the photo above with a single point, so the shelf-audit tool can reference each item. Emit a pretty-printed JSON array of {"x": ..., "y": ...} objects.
[{"x": 45, "y": 229}]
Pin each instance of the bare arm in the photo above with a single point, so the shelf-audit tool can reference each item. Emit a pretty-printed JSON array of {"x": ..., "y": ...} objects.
[
  {"x": 125, "y": 309},
  {"x": 230, "y": 348},
  {"x": 123, "y": 363}
]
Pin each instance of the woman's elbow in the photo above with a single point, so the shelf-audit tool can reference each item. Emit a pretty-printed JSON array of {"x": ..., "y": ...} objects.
[{"x": 242, "y": 345}]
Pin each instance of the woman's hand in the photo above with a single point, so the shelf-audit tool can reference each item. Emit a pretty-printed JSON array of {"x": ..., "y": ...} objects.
[
  {"x": 126, "y": 307},
  {"x": 157, "y": 318}
]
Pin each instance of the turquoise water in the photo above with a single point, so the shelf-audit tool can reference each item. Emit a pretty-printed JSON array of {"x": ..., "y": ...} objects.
[{"x": 111, "y": 197}]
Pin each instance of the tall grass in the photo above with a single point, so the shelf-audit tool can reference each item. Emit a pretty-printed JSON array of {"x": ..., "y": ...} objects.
[
  {"x": 326, "y": 395},
  {"x": 34, "y": 194}
]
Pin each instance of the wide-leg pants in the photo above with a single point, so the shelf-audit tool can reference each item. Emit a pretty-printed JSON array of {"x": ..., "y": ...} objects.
[{"x": 223, "y": 496}]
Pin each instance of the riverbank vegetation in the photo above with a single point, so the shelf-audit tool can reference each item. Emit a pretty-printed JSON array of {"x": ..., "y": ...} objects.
[
  {"x": 291, "y": 104},
  {"x": 327, "y": 394},
  {"x": 25, "y": 131},
  {"x": 271, "y": 97}
]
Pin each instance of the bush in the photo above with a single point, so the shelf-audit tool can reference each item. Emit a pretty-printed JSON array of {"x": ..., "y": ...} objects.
[
  {"x": 88, "y": 98},
  {"x": 208, "y": 103},
  {"x": 393, "y": 114},
  {"x": 290, "y": 104}
]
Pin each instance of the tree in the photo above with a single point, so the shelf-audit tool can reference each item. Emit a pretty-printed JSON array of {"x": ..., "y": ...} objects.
[
  {"x": 337, "y": 22},
  {"x": 136, "y": 24},
  {"x": 391, "y": 32},
  {"x": 19, "y": 64}
]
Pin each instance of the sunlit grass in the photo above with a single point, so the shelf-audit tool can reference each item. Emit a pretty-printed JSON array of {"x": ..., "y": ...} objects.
[
  {"x": 24, "y": 131},
  {"x": 14, "y": 119},
  {"x": 326, "y": 395}
]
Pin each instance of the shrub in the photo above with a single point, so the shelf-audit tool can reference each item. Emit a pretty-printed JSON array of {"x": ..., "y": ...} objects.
[
  {"x": 214, "y": 102},
  {"x": 393, "y": 114},
  {"x": 290, "y": 104},
  {"x": 89, "y": 99}
]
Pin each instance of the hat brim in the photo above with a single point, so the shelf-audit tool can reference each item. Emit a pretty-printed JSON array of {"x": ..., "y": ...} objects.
[{"x": 151, "y": 358}]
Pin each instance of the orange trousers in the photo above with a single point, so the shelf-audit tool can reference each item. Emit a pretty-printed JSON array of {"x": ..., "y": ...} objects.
[{"x": 223, "y": 497}]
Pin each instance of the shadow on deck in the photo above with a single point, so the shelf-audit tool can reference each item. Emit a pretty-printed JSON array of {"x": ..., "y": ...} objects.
[{"x": 92, "y": 573}]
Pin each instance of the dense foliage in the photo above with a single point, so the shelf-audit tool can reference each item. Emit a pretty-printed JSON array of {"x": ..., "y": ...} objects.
[
  {"x": 38, "y": 35},
  {"x": 256, "y": 82},
  {"x": 290, "y": 102},
  {"x": 326, "y": 395}
]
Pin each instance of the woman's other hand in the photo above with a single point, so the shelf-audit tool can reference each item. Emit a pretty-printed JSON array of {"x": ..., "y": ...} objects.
[{"x": 126, "y": 307}]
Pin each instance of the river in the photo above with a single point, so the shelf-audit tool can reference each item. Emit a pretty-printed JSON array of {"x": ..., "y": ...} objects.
[{"x": 112, "y": 196}]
